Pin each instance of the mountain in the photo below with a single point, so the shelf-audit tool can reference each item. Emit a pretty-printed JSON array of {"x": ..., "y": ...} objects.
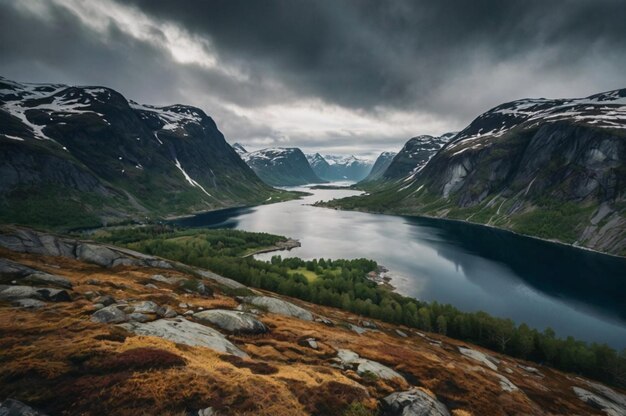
[
  {"x": 414, "y": 155},
  {"x": 239, "y": 149},
  {"x": 281, "y": 166},
  {"x": 84, "y": 156},
  {"x": 83, "y": 336},
  {"x": 553, "y": 169},
  {"x": 380, "y": 166},
  {"x": 340, "y": 168},
  {"x": 319, "y": 165}
]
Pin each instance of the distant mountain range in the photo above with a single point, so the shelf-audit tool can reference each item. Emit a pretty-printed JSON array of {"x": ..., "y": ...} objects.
[
  {"x": 83, "y": 156},
  {"x": 280, "y": 166},
  {"x": 554, "y": 169},
  {"x": 339, "y": 168}
]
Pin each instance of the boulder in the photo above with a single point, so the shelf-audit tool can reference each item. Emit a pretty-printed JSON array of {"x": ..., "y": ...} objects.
[
  {"x": 11, "y": 407},
  {"x": 232, "y": 321},
  {"x": 92, "y": 253},
  {"x": 481, "y": 357},
  {"x": 47, "y": 278},
  {"x": 146, "y": 307},
  {"x": 162, "y": 279},
  {"x": 414, "y": 402},
  {"x": 401, "y": 333},
  {"x": 40, "y": 293},
  {"x": 280, "y": 307},
  {"x": 139, "y": 317},
  {"x": 109, "y": 315},
  {"x": 312, "y": 343},
  {"x": 350, "y": 359},
  {"x": 185, "y": 332},
  {"x": 106, "y": 300},
  {"x": 224, "y": 281},
  {"x": 29, "y": 303},
  {"x": 167, "y": 312}
]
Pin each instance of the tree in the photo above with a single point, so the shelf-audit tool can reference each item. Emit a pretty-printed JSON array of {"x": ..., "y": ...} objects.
[
  {"x": 501, "y": 332},
  {"x": 424, "y": 319},
  {"x": 442, "y": 325}
]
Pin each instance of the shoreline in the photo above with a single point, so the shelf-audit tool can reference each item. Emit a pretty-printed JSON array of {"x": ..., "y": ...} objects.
[
  {"x": 478, "y": 224},
  {"x": 283, "y": 245}
]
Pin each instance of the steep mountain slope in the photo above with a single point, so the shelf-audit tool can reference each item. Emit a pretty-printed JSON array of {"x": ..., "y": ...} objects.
[
  {"x": 93, "y": 329},
  {"x": 281, "y": 166},
  {"x": 239, "y": 149},
  {"x": 319, "y": 165},
  {"x": 340, "y": 168},
  {"x": 380, "y": 166},
  {"x": 82, "y": 156},
  {"x": 548, "y": 168},
  {"x": 414, "y": 156}
]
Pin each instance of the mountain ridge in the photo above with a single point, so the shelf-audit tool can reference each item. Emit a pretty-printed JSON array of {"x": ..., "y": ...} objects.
[
  {"x": 90, "y": 150},
  {"x": 553, "y": 169}
]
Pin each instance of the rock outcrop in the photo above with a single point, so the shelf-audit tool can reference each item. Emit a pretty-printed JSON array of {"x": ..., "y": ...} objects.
[
  {"x": 233, "y": 321},
  {"x": 182, "y": 331},
  {"x": 363, "y": 366},
  {"x": 413, "y": 402},
  {"x": 279, "y": 306}
]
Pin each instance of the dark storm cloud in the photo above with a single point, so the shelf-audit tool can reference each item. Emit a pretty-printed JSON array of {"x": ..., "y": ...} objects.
[
  {"x": 346, "y": 74},
  {"x": 399, "y": 53}
]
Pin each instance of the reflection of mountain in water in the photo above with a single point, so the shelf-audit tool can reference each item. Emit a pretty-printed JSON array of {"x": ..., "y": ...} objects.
[
  {"x": 595, "y": 281},
  {"x": 223, "y": 218}
]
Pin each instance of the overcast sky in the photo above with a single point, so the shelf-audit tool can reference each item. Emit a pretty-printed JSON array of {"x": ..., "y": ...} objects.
[{"x": 332, "y": 76}]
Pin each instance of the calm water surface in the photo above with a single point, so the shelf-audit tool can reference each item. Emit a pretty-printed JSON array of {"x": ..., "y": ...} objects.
[{"x": 576, "y": 292}]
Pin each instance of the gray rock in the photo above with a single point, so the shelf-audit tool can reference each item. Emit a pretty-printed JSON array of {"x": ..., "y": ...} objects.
[
  {"x": 414, "y": 402},
  {"x": 324, "y": 320},
  {"x": 481, "y": 357},
  {"x": 40, "y": 293},
  {"x": 312, "y": 343},
  {"x": 230, "y": 283},
  {"x": 232, "y": 321},
  {"x": 280, "y": 307},
  {"x": 169, "y": 313},
  {"x": 608, "y": 406},
  {"x": 47, "y": 278},
  {"x": 97, "y": 306},
  {"x": 368, "y": 324},
  {"x": 188, "y": 313},
  {"x": 401, "y": 333},
  {"x": 29, "y": 303},
  {"x": 109, "y": 315},
  {"x": 146, "y": 307},
  {"x": 350, "y": 359},
  {"x": 185, "y": 332},
  {"x": 163, "y": 279},
  {"x": 139, "y": 317},
  {"x": 151, "y": 286},
  {"x": 92, "y": 253},
  {"x": 359, "y": 330},
  {"x": 11, "y": 407},
  {"x": 106, "y": 300},
  {"x": 203, "y": 412}
]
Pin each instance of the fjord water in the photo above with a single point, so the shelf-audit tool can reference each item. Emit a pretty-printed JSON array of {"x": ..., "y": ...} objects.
[{"x": 576, "y": 292}]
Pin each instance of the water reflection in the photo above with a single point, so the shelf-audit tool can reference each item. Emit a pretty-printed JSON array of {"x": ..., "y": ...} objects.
[{"x": 575, "y": 292}]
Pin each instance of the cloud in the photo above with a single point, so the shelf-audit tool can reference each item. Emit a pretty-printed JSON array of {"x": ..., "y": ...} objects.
[{"x": 343, "y": 76}]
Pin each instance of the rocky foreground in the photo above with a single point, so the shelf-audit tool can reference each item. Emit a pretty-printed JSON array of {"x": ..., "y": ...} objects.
[{"x": 92, "y": 329}]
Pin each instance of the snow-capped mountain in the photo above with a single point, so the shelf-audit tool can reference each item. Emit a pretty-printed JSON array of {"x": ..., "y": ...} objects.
[
  {"x": 555, "y": 169},
  {"x": 339, "y": 167},
  {"x": 281, "y": 166},
  {"x": 414, "y": 155},
  {"x": 69, "y": 150},
  {"x": 380, "y": 166},
  {"x": 239, "y": 149}
]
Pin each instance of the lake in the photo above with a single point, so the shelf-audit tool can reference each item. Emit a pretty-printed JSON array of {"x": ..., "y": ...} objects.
[{"x": 574, "y": 291}]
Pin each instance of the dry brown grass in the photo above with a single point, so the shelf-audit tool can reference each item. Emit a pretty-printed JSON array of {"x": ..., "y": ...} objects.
[{"x": 58, "y": 360}]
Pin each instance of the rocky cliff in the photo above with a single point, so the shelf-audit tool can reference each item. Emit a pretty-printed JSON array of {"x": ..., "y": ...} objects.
[
  {"x": 82, "y": 156},
  {"x": 548, "y": 168}
]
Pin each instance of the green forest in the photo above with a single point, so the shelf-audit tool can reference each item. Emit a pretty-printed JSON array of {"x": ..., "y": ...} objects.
[{"x": 344, "y": 284}]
